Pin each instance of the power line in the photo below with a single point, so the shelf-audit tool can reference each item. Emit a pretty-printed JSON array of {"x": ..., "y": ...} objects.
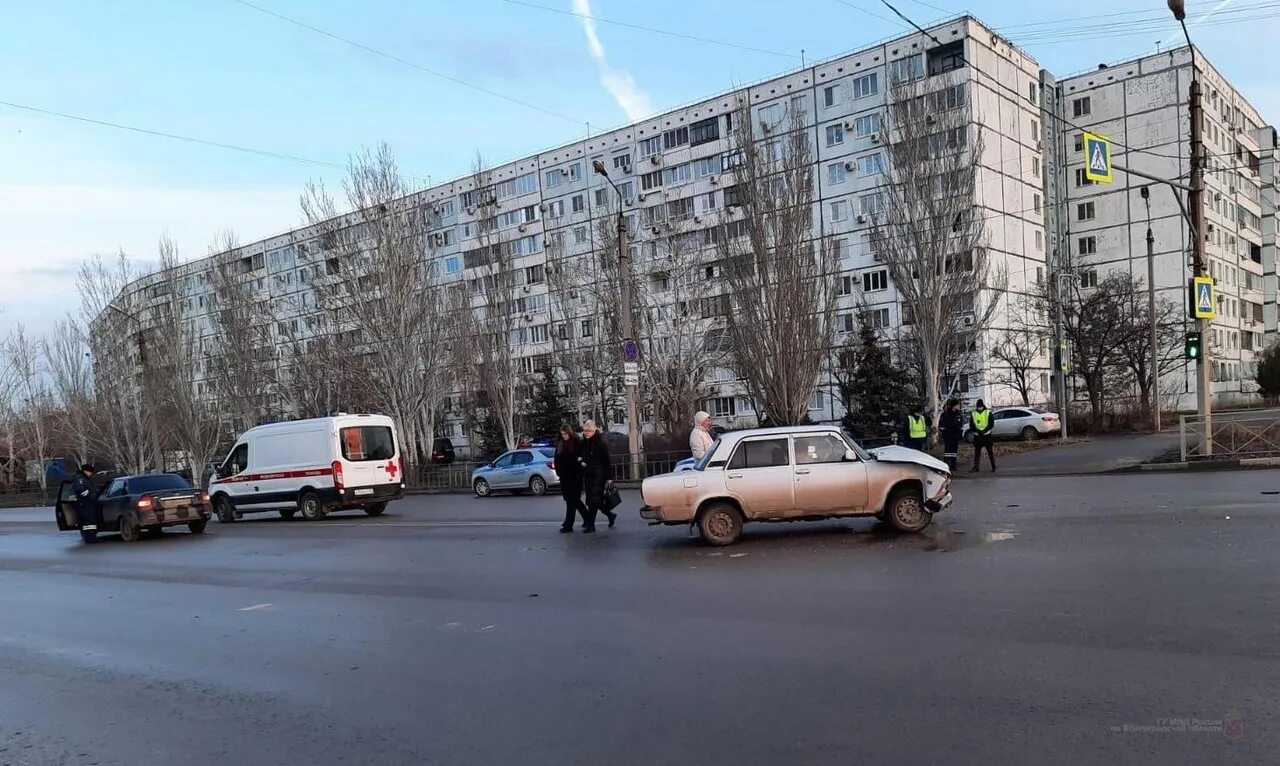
[
  {"x": 872, "y": 14},
  {"x": 174, "y": 136},
  {"x": 654, "y": 30},
  {"x": 404, "y": 61}
]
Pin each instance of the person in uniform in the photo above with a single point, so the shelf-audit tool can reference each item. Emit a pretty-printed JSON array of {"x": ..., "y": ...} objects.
[
  {"x": 87, "y": 510},
  {"x": 980, "y": 422},
  {"x": 917, "y": 429}
]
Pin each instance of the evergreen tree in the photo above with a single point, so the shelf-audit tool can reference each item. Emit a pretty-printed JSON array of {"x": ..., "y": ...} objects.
[
  {"x": 1268, "y": 374},
  {"x": 547, "y": 410},
  {"x": 876, "y": 393},
  {"x": 492, "y": 442}
]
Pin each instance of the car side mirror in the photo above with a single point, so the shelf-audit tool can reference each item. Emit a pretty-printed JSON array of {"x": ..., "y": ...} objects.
[{"x": 850, "y": 456}]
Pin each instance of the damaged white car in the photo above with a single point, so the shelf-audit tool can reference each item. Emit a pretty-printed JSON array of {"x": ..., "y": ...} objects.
[{"x": 800, "y": 473}]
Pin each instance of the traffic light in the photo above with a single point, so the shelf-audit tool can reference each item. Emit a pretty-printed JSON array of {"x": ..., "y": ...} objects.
[{"x": 1192, "y": 347}]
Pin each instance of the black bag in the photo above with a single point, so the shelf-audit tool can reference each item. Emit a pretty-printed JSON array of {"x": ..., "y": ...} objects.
[{"x": 612, "y": 499}]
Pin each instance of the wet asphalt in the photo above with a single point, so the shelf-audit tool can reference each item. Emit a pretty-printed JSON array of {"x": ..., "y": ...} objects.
[{"x": 1114, "y": 619}]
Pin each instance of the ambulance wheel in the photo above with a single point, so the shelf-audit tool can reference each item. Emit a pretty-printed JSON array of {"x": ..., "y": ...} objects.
[{"x": 311, "y": 507}]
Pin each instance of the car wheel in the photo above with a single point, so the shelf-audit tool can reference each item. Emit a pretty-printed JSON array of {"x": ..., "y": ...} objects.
[
  {"x": 130, "y": 532},
  {"x": 88, "y": 535},
  {"x": 538, "y": 486},
  {"x": 224, "y": 510},
  {"x": 288, "y": 513},
  {"x": 906, "y": 511},
  {"x": 375, "y": 509},
  {"x": 720, "y": 524},
  {"x": 482, "y": 488},
  {"x": 197, "y": 527},
  {"x": 311, "y": 507},
  {"x": 1030, "y": 434}
]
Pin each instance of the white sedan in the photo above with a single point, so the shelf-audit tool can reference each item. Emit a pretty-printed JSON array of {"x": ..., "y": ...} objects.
[
  {"x": 798, "y": 473},
  {"x": 1025, "y": 423}
]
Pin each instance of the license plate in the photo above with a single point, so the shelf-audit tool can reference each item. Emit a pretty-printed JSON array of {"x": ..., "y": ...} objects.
[{"x": 364, "y": 492}]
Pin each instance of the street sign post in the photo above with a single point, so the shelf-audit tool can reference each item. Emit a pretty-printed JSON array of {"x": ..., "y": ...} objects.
[
  {"x": 630, "y": 350},
  {"x": 1097, "y": 158},
  {"x": 1203, "y": 302}
]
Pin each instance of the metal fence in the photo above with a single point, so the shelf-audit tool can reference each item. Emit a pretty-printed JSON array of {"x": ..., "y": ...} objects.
[
  {"x": 1232, "y": 435},
  {"x": 25, "y": 498}
]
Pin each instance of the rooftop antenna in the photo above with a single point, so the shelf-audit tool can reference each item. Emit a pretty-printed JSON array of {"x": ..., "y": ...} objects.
[{"x": 802, "y": 64}]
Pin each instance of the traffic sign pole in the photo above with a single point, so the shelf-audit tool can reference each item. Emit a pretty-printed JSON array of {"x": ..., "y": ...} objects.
[{"x": 1195, "y": 201}]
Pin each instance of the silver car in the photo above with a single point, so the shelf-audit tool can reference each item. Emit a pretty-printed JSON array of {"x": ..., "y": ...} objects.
[
  {"x": 798, "y": 473},
  {"x": 1025, "y": 423},
  {"x": 523, "y": 470}
]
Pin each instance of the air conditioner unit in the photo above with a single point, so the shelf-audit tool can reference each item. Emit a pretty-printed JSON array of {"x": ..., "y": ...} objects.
[
  {"x": 1039, "y": 146},
  {"x": 850, "y": 165},
  {"x": 627, "y": 168},
  {"x": 656, "y": 159},
  {"x": 861, "y": 219},
  {"x": 522, "y": 227},
  {"x": 528, "y": 317},
  {"x": 967, "y": 320},
  {"x": 875, "y": 138},
  {"x": 546, "y": 243},
  {"x": 641, "y": 196},
  {"x": 543, "y": 207},
  {"x": 1231, "y": 189},
  {"x": 628, "y": 201},
  {"x": 697, "y": 219},
  {"x": 714, "y": 179},
  {"x": 765, "y": 126},
  {"x": 929, "y": 118},
  {"x": 436, "y": 210},
  {"x": 471, "y": 210},
  {"x": 656, "y": 228},
  {"x": 525, "y": 288},
  {"x": 848, "y": 125}
]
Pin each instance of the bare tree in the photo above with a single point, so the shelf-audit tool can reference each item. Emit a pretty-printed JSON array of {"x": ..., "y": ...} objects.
[
  {"x": 927, "y": 229},
  {"x": 390, "y": 289},
  {"x": 33, "y": 398},
  {"x": 70, "y": 372},
  {"x": 1137, "y": 347},
  {"x": 1017, "y": 352},
  {"x": 780, "y": 296},
  {"x": 242, "y": 368}
]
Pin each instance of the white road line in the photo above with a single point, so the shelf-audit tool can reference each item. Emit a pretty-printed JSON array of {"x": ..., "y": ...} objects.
[
  {"x": 254, "y": 608},
  {"x": 324, "y": 524}
]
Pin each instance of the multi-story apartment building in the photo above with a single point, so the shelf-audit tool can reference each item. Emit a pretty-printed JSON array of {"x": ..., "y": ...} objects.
[
  {"x": 1142, "y": 106},
  {"x": 673, "y": 173}
]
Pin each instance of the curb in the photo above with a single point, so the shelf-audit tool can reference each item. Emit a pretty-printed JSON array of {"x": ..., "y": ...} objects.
[{"x": 1231, "y": 464}]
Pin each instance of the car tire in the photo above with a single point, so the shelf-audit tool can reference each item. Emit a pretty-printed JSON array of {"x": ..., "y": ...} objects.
[
  {"x": 376, "y": 509},
  {"x": 906, "y": 511},
  {"x": 288, "y": 513},
  {"x": 225, "y": 512},
  {"x": 197, "y": 527},
  {"x": 89, "y": 535},
  {"x": 1030, "y": 434},
  {"x": 720, "y": 524},
  {"x": 310, "y": 507},
  {"x": 130, "y": 532},
  {"x": 538, "y": 486},
  {"x": 482, "y": 488}
]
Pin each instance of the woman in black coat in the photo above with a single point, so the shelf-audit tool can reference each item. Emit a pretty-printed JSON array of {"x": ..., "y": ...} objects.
[
  {"x": 597, "y": 474},
  {"x": 570, "y": 472},
  {"x": 952, "y": 427}
]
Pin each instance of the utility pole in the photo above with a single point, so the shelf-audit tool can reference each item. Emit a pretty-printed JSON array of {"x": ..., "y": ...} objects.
[
  {"x": 1151, "y": 311},
  {"x": 630, "y": 349},
  {"x": 1062, "y": 354},
  {"x": 1204, "y": 377}
]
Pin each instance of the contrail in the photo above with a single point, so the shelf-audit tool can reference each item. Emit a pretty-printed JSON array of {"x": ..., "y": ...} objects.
[{"x": 621, "y": 85}]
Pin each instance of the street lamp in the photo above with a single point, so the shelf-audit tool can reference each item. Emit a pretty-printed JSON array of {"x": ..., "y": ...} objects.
[{"x": 628, "y": 328}]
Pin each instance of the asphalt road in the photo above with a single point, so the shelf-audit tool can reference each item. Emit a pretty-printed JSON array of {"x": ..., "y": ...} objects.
[{"x": 1112, "y": 619}]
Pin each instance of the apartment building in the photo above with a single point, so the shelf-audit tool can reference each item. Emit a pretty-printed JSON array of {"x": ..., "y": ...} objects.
[
  {"x": 1142, "y": 106},
  {"x": 674, "y": 172}
]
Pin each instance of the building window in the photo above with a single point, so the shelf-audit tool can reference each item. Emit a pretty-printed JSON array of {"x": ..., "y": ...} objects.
[
  {"x": 704, "y": 131},
  {"x": 678, "y": 174},
  {"x": 587, "y": 329},
  {"x": 1035, "y": 203},
  {"x": 867, "y": 125},
  {"x": 840, "y": 246},
  {"x": 907, "y": 69},
  {"x": 722, "y": 407},
  {"x": 835, "y": 173},
  {"x": 835, "y": 134},
  {"x": 1087, "y": 246},
  {"x": 817, "y": 401},
  {"x": 622, "y": 162},
  {"x": 871, "y": 164},
  {"x": 1082, "y": 107},
  {"x": 870, "y": 204},
  {"x": 1081, "y": 179},
  {"x": 651, "y": 180},
  {"x": 1035, "y": 166},
  {"x": 866, "y": 85},
  {"x": 579, "y": 203},
  {"x": 831, "y": 96},
  {"x": 673, "y": 138},
  {"x": 877, "y": 318},
  {"x": 534, "y": 274},
  {"x": 707, "y": 166},
  {"x": 1035, "y": 130},
  {"x": 555, "y": 178},
  {"x": 845, "y": 323},
  {"x": 1039, "y": 240},
  {"x": 839, "y": 211},
  {"x": 1085, "y": 211},
  {"x": 1079, "y": 139},
  {"x": 601, "y": 198},
  {"x": 1089, "y": 278},
  {"x": 650, "y": 147},
  {"x": 844, "y": 286},
  {"x": 452, "y": 265},
  {"x": 580, "y": 235},
  {"x": 873, "y": 281},
  {"x": 1032, "y": 92},
  {"x": 797, "y": 107}
]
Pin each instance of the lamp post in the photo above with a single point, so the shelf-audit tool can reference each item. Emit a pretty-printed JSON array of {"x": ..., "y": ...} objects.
[
  {"x": 628, "y": 326},
  {"x": 1204, "y": 378},
  {"x": 1151, "y": 309}
]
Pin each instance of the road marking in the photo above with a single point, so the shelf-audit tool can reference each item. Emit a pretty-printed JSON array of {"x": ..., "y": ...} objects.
[
  {"x": 254, "y": 608},
  {"x": 324, "y": 524}
]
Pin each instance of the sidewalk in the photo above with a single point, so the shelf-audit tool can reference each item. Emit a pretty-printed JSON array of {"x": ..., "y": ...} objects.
[{"x": 1101, "y": 454}]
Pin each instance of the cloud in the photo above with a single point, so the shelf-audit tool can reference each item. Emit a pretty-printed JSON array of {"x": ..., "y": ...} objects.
[{"x": 621, "y": 85}]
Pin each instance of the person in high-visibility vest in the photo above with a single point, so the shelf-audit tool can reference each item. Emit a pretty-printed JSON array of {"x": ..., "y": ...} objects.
[
  {"x": 980, "y": 422},
  {"x": 917, "y": 429},
  {"x": 952, "y": 428}
]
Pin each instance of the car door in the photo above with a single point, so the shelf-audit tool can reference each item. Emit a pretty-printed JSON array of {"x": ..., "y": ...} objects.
[
  {"x": 521, "y": 469},
  {"x": 232, "y": 475},
  {"x": 825, "y": 482},
  {"x": 113, "y": 501},
  {"x": 499, "y": 478},
  {"x": 759, "y": 476},
  {"x": 1007, "y": 423},
  {"x": 65, "y": 514}
]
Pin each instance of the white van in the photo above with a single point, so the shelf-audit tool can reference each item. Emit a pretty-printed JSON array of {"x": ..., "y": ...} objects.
[{"x": 314, "y": 466}]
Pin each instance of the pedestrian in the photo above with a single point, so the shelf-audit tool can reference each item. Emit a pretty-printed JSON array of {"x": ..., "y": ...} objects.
[
  {"x": 597, "y": 475},
  {"x": 980, "y": 423},
  {"x": 952, "y": 428},
  {"x": 700, "y": 440},
  {"x": 86, "y": 499},
  {"x": 917, "y": 429},
  {"x": 570, "y": 472}
]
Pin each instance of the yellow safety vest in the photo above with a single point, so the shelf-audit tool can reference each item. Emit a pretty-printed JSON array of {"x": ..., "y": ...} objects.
[
  {"x": 916, "y": 427},
  {"x": 980, "y": 419}
]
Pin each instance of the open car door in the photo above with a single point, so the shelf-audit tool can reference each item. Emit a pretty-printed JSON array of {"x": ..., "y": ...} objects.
[{"x": 65, "y": 509}]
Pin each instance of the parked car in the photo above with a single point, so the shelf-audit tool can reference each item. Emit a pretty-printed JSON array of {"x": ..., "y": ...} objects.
[
  {"x": 133, "y": 504},
  {"x": 521, "y": 470},
  {"x": 1025, "y": 423},
  {"x": 797, "y": 473},
  {"x": 315, "y": 466},
  {"x": 442, "y": 451}
]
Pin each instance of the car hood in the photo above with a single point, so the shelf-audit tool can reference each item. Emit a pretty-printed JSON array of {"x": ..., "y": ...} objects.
[{"x": 896, "y": 454}]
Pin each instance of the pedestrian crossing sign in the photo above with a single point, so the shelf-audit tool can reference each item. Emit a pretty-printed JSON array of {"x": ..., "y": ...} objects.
[
  {"x": 1097, "y": 158},
  {"x": 1203, "y": 304}
]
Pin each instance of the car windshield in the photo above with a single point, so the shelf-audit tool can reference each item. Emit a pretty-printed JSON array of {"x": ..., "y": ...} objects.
[
  {"x": 157, "y": 482},
  {"x": 361, "y": 443},
  {"x": 706, "y": 458},
  {"x": 856, "y": 447}
]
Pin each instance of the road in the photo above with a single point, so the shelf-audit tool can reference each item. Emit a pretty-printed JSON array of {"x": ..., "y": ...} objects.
[{"x": 1053, "y": 620}]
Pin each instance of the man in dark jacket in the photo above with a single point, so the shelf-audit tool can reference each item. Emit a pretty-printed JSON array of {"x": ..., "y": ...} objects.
[
  {"x": 597, "y": 474},
  {"x": 951, "y": 426},
  {"x": 981, "y": 422},
  {"x": 86, "y": 498}
]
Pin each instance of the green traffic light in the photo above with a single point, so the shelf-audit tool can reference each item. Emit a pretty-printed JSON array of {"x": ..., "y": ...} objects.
[{"x": 1192, "y": 347}]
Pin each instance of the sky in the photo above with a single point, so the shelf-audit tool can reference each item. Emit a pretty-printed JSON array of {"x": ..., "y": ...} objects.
[{"x": 438, "y": 80}]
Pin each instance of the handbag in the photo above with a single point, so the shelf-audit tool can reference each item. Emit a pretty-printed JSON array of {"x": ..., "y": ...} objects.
[{"x": 612, "y": 498}]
